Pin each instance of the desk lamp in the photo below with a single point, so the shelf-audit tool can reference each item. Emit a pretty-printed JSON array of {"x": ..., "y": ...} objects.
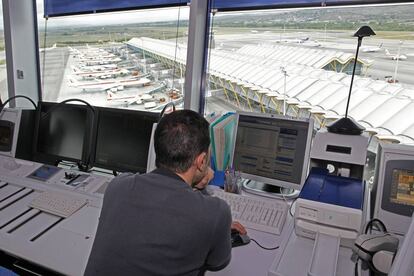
[{"x": 347, "y": 125}]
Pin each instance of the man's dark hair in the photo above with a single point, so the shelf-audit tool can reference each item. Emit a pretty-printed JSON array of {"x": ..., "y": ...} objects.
[{"x": 179, "y": 138}]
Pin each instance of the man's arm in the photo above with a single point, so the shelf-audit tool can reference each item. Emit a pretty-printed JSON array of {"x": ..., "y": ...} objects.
[{"x": 220, "y": 253}]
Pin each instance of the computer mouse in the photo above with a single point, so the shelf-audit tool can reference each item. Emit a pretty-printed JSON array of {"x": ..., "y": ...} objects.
[{"x": 238, "y": 239}]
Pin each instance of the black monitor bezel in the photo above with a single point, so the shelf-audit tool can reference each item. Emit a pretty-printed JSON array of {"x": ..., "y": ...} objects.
[
  {"x": 386, "y": 204},
  {"x": 123, "y": 112},
  {"x": 53, "y": 159}
]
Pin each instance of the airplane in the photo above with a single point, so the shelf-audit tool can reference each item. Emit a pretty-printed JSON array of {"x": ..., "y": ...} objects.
[
  {"x": 97, "y": 86},
  {"x": 395, "y": 56},
  {"x": 48, "y": 49},
  {"x": 74, "y": 51},
  {"x": 371, "y": 49},
  {"x": 101, "y": 61},
  {"x": 129, "y": 99},
  {"x": 102, "y": 74},
  {"x": 94, "y": 68}
]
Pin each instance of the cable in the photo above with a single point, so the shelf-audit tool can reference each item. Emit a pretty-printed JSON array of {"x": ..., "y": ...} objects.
[
  {"x": 290, "y": 208},
  {"x": 17, "y": 96},
  {"x": 356, "y": 267},
  {"x": 213, "y": 12},
  {"x": 176, "y": 46},
  {"x": 67, "y": 101},
  {"x": 165, "y": 108},
  {"x": 375, "y": 222},
  {"x": 265, "y": 248},
  {"x": 44, "y": 52}
]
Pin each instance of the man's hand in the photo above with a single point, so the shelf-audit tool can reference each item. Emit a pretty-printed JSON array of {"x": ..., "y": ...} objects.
[
  {"x": 205, "y": 180},
  {"x": 238, "y": 227}
]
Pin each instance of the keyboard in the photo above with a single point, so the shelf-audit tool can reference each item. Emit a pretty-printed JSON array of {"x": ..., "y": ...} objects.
[
  {"x": 260, "y": 214},
  {"x": 58, "y": 204}
]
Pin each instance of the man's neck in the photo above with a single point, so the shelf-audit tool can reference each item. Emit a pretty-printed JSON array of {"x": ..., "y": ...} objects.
[{"x": 186, "y": 176}]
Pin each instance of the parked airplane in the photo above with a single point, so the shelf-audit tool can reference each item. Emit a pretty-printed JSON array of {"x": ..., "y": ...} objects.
[
  {"x": 94, "y": 68},
  {"x": 132, "y": 98},
  {"x": 103, "y": 74},
  {"x": 371, "y": 49},
  {"x": 395, "y": 56},
  {"x": 101, "y": 61},
  {"x": 48, "y": 49},
  {"x": 105, "y": 85}
]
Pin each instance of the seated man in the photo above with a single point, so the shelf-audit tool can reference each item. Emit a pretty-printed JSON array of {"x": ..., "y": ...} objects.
[{"x": 155, "y": 223}]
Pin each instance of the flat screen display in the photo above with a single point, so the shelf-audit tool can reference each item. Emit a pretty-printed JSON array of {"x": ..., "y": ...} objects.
[
  {"x": 272, "y": 148},
  {"x": 62, "y": 133},
  {"x": 122, "y": 139},
  {"x": 402, "y": 187},
  {"x": 44, "y": 173},
  {"x": 6, "y": 135}
]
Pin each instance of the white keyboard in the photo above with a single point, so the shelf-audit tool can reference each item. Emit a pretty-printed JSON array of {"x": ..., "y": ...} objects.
[
  {"x": 58, "y": 204},
  {"x": 264, "y": 215}
]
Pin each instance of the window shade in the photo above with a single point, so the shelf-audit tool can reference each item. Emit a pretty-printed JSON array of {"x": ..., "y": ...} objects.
[
  {"x": 72, "y": 7},
  {"x": 228, "y": 5}
]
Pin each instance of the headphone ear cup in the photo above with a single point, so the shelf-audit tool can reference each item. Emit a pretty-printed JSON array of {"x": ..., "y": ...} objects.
[{"x": 382, "y": 261}]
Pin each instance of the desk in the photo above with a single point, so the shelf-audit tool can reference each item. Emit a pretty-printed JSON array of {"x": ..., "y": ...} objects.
[
  {"x": 65, "y": 247},
  {"x": 251, "y": 260}
]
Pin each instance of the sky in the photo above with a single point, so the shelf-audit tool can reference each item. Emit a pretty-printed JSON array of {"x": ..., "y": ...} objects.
[{"x": 114, "y": 18}]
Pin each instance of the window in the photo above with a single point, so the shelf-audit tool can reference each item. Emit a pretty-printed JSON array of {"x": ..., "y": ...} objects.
[
  {"x": 300, "y": 61},
  {"x": 4, "y": 94},
  {"x": 133, "y": 60}
]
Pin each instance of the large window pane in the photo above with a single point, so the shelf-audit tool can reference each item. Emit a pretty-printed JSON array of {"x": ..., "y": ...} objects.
[
  {"x": 129, "y": 60},
  {"x": 263, "y": 61},
  {"x": 4, "y": 94}
]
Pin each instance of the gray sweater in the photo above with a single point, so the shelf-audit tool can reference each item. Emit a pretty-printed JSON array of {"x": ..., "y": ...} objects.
[{"x": 155, "y": 224}]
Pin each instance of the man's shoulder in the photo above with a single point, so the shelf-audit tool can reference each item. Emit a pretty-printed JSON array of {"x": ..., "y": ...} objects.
[{"x": 213, "y": 202}]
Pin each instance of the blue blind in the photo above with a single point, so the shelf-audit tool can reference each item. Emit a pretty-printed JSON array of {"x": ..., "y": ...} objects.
[
  {"x": 70, "y": 7},
  {"x": 257, "y": 4}
]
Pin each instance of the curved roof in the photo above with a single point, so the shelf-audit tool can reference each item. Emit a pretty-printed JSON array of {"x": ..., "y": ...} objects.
[{"x": 385, "y": 108}]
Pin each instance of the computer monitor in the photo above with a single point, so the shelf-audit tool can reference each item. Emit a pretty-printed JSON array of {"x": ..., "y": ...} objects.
[
  {"x": 273, "y": 149},
  {"x": 123, "y": 139},
  {"x": 9, "y": 126},
  {"x": 394, "y": 186},
  {"x": 62, "y": 132}
]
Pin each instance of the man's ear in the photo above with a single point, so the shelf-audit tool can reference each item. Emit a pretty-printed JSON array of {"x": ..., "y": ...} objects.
[{"x": 201, "y": 160}]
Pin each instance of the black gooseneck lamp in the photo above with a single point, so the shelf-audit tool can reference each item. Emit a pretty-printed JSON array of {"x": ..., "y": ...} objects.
[{"x": 347, "y": 125}]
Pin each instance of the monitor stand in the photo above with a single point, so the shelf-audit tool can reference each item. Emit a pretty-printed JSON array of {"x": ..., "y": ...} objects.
[{"x": 263, "y": 189}]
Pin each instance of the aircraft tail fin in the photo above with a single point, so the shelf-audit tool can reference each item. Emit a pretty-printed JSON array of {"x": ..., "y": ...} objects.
[{"x": 110, "y": 95}]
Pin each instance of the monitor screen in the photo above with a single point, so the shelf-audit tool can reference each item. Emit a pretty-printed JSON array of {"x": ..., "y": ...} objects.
[
  {"x": 273, "y": 149},
  {"x": 62, "y": 133},
  {"x": 398, "y": 186},
  {"x": 123, "y": 139},
  {"x": 393, "y": 189},
  {"x": 6, "y": 135},
  {"x": 402, "y": 187}
]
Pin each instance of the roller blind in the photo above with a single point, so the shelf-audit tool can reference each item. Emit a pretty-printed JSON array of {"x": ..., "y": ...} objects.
[
  {"x": 71, "y": 7},
  {"x": 227, "y": 5}
]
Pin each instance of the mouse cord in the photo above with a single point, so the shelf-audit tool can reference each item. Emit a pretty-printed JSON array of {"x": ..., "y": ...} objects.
[
  {"x": 265, "y": 248},
  {"x": 290, "y": 207},
  {"x": 356, "y": 267}
]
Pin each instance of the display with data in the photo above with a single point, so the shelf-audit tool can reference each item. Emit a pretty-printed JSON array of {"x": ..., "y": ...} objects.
[
  {"x": 44, "y": 173},
  {"x": 402, "y": 187},
  {"x": 273, "y": 148}
]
